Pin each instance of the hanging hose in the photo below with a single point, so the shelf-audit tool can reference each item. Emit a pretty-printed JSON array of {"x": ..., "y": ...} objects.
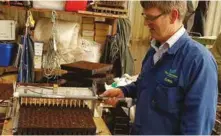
[
  {"x": 51, "y": 61},
  {"x": 124, "y": 33},
  {"x": 116, "y": 47}
]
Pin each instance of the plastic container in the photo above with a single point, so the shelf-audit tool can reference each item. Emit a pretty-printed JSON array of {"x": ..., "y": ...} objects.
[
  {"x": 7, "y": 53},
  {"x": 54, "y": 5},
  {"x": 76, "y": 5}
]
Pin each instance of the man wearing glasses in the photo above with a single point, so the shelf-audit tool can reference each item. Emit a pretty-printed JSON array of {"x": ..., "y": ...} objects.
[{"x": 176, "y": 90}]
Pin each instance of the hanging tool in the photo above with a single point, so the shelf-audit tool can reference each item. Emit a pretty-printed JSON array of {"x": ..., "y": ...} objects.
[{"x": 54, "y": 31}]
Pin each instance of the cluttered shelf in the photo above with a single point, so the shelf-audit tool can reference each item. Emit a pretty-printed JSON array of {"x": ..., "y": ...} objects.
[
  {"x": 9, "y": 69},
  {"x": 9, "y": 74},
  {"x": 98, "y": 29},
  {"x": 13, "y": 69},
  {"x": 80, "y": 12}
]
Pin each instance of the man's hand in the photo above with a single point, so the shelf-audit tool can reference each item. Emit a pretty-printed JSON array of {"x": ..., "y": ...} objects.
[{"x": 114, "y": 94}]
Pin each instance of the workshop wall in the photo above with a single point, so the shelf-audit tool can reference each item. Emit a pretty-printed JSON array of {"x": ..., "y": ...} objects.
[
  {"x": 140, "y": 34},
  {"x": 139, "y": 40}
]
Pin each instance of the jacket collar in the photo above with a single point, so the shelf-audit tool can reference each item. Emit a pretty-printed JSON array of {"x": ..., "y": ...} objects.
[{"x": 177, "y": 45}]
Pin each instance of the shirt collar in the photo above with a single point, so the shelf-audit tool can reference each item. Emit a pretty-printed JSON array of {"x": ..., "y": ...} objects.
[
  {"x": 153, "y": 44},
  {"x": 173, "y": 39}
]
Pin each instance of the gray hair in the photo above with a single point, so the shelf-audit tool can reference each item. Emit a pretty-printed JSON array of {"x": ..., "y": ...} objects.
[{"x": 167, "y": 6}]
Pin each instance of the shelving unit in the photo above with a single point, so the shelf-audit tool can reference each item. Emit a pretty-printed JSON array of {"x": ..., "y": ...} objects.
[
  {"x": 81, "y": 13},
  {"x": 110, "y": 19}
]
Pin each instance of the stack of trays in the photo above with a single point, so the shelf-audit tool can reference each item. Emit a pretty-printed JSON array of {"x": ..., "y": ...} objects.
[
  {"x": 86, "y": 74},
  {"x": 53, "y": 120}
]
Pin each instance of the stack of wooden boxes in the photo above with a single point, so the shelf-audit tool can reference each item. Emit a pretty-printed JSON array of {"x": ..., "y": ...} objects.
[
  {"x": 88, "y": 28},
  {"x": 95, "y": 30},
  {"x": 101, "y": 32}
]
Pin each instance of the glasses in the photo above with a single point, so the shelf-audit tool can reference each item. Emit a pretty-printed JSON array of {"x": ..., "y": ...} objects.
[{"x": 150, "y": 17}]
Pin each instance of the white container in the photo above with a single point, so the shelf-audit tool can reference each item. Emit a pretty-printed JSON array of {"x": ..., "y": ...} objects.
[
  {"x": 38, "y": 48},
  {"x": 54, "y": 5},
  {"x": 7, "y": 29},
  {"x": 37, "y": 61},
  {"x": 38, "y": 52}
]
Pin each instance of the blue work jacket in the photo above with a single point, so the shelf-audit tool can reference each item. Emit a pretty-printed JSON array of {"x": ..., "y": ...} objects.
[{"x": 178, "y": 94}]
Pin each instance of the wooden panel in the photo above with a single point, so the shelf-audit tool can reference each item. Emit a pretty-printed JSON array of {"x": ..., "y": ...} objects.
[
  {"x": 101, "y": 126},
  {"x": 138, "y": 51},
  {"x": 140, "y": 34}
]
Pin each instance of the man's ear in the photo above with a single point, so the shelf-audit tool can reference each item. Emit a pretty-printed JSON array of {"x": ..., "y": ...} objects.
[{"x": 174, "y": 15}]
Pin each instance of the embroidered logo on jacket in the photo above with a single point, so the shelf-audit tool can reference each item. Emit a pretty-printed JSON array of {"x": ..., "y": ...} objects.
[{"x": 170, "y": 76}]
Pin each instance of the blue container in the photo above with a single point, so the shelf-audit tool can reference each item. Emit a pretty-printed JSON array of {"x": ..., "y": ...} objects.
[{"x": 7, "y": 53}]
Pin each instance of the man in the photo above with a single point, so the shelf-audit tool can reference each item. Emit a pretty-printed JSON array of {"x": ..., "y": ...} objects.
[{"x": 176, "y": 90}]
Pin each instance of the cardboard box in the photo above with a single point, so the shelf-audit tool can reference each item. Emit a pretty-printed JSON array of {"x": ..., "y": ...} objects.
[
  {"x": 87, "y": 26},
  {"x": 87, "y": 20},
  {"x": 100, "y": 39},
  {"x": 7, "y": 29},
  {"x": 89, "y": 38},
  {"x": 99, "y": 19},
  {"x": 102, "y": 26},
  {"x": 101, "y": 33},
  {"x": 86, "y": 33}
]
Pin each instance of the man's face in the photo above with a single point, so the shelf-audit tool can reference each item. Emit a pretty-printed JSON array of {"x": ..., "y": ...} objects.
[{"x": 158, "y": 23}]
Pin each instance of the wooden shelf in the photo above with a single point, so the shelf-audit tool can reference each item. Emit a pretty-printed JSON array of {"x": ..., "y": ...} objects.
[
  {"x": 81, "y": 13},
  {"x": 12, "y": 69},
  {"x": 97, "y": 14},
  {"x": 9, "y": 69},
  {"x": 55, "y": 72}
]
